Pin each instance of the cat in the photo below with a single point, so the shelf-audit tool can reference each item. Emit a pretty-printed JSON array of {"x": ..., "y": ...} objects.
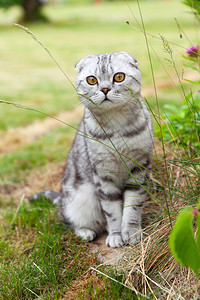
[{"x": 106, "y": 177}]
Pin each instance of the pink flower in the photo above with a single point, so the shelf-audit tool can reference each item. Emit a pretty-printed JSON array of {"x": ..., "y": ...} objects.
[{"x": 193, "y": 51}]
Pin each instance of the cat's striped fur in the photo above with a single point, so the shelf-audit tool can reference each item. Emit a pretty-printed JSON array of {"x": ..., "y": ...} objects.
[{"x": 106, "y": 175}]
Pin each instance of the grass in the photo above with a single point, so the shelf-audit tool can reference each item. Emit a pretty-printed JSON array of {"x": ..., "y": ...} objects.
[
  {"x": 17, "y": 165},
  {"x": 39, "y": 257},
  {"x": 175, "y": 185},
  {"x": 40, "y": 84}
]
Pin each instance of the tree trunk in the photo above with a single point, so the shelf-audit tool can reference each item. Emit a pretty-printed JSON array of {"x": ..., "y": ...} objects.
[{"x": 32, "y": 10}]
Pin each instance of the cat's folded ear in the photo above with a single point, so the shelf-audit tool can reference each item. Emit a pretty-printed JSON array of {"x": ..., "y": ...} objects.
[
  {"x": 133, "y": 60},
  {"x": 81, "y": 63},
  {"x": 129, "y": 55}
]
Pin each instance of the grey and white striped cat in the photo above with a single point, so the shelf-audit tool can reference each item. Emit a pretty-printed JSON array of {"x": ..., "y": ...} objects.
[{"x": 106, "y": 176}]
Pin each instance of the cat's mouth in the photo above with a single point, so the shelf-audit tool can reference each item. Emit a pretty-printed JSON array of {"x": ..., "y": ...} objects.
[{"x": 106, "y": 99}]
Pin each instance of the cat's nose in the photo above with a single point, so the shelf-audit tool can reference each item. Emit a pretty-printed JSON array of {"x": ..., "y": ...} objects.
[{"x": 105, "y": 90}]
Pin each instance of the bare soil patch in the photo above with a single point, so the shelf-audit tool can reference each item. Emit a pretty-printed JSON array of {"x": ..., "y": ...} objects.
[
  {"x": 39, "y": 180},
  {"x": 16, "y": 138}
]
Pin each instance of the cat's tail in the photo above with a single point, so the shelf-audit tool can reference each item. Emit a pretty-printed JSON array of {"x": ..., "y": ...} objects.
[{"x": 48, "y": 194}]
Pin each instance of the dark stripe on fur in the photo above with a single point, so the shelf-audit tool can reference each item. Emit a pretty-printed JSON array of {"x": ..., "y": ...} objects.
[
  {"x": 142, "y": 192},
  {"x": 137, "y": 206},
  {"x": 136, "y": 131},
  {"x": 106, "y": 179},
  {"x": 107, "y": 214},
  {"x": 110, "y": 196},
  {"x": 134, "y": 186},
  {"x": 137, "y": 169},
  {"x": 99, "y": 136},
  {"x": 134, "y": 79},
  {"x": 133, "y": 223},
  {"x": 133, "y": 65}
]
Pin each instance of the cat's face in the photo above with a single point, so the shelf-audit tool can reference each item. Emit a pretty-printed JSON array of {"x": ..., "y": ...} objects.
[{"x": 108, "y": 80}]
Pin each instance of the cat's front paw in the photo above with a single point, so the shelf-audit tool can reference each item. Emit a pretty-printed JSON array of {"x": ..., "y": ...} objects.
[
  {"x": 132, "y": 236},
  {"x": 86, "y": 234},
  {"x": 114, "y": 241}
]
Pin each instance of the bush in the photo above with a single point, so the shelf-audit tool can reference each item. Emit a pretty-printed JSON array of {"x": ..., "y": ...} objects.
[{"x": 182, "y": 125}]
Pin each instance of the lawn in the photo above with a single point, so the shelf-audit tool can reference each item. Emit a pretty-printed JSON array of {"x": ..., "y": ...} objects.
[
  {"x": 38, "y": 256},
  {"x": 76, "y": 31}
]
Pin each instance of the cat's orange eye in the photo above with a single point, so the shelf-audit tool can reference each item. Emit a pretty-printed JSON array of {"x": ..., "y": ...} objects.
[
  {"x": 119, "y": 77},
  {"x": 92, "y": 80}
]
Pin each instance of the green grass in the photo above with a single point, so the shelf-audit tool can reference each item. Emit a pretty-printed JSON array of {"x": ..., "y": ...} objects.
[
  {"x": 28, "y": 75},
  {"x": 41, "y": 258},
  {"x": 17, "y": 165}
]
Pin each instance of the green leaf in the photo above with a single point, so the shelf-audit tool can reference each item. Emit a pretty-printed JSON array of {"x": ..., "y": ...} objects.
[
  {"x": 182, "y": 242},
  {"x": 171, "y": 107},
  {"x": 193, "y": 68},
  {"x": 190, "y": 58},
  {"x": 198, "y": 226},
  {"x": 196, "y": 82},
  {"x": 198, "y": 232}
]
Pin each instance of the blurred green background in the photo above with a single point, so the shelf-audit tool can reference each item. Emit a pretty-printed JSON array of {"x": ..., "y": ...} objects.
[{"x": 72, "y": 29}]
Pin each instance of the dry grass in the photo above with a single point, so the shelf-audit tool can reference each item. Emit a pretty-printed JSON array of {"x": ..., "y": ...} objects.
[
  {"x": 79, "y": 289},
  {"x": 149, "y": 266},
  {"x": 38, "y": 180}
]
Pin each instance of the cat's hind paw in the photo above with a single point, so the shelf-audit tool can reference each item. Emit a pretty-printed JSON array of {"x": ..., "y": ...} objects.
[
  {"x": 114, "y": 241},
  {"x": 132, "y": 236},
  {"x": 86, "y": 234}
]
